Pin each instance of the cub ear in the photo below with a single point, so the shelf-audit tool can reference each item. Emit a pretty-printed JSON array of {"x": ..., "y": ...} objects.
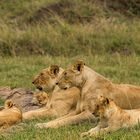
[
  {"x": 54, "y": 69},
  {"x": 106, "y": 101},
  {"x": 8, "y": 104},
  {"x": 79, "y": 65},
  {"x": 44, "y": 94}
]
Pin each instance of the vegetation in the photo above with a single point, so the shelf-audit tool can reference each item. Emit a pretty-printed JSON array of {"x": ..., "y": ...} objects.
[
  {"x": 69, "y": 28},
  {"x": 105, "y": 33},
  {"x": 19, "y": 71}
]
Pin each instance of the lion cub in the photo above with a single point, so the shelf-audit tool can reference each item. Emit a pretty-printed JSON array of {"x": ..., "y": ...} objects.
[
  {"x": 10, "y": 115},
  {"x": 40, "y": 99},
  {"x": 112, "y": 117}
]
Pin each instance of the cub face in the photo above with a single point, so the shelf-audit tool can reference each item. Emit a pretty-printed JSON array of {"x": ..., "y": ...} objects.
[
  {"x": 40, "y": 98},
  {"x": 101, "y": 105}
]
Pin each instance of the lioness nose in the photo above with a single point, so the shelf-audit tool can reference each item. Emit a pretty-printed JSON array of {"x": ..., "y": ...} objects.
[
  {"x": 57, "y": 83},
  {"x": 40, "y": 88}
]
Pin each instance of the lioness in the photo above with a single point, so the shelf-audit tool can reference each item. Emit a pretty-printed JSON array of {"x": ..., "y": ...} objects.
[
  {"x": 112, "y": 117},
  {"x": 10, "y": 115},
  {"x": 91, "y": 85},
  {"x": 40, "y": 98},
  {"x": 60, "y": 102}
]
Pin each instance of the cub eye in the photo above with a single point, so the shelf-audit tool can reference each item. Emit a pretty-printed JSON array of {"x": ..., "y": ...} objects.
[
  {"x": 65, "y": 73},
  {"x": 41, "y": 74},
  {"x": 97, "y": 106}
]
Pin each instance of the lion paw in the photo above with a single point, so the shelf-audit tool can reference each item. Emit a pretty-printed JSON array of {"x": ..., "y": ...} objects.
[
  {"x": 84, "y": 134},
  {"x": 40, "y": 125}
]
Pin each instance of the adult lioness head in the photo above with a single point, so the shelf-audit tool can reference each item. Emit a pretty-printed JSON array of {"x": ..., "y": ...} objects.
[
  {"x": 47, "y": 78},
  {"x": 73, "y": 76}
]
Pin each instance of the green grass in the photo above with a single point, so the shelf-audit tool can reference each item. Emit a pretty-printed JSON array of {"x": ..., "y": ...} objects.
[
  {"x": 1, "y": 102},
  {"x": 19, "y": 71},
  {"x": 105, "y": 32}
]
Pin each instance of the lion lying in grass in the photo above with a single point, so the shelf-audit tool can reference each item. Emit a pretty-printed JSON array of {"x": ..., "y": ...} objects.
[
  {"x": 112, "y": 117},
  {"x": 60, "y": 102},
  {"x": 10, "y": 115},
  {"x": 40, "y": 98},
  {"x": 91, "y": 85}
]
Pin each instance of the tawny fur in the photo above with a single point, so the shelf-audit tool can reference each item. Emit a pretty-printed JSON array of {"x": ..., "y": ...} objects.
[
  {"x": 40, "y": 98},
  {"x": 112, "y": 117},
  {"x": 91, "y": 85},
  {"x": 60, "y": 102},
  {"x": 10, "y": 115}
]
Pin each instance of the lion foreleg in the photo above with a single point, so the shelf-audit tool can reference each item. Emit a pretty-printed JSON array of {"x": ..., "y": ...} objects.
[
  {"x": 44, "y": 112},
  {"x": 94, "y": 130},
  {"x": 66, "y": 121},
  {"x": 102, "y": 131},
  {"x": 65, "y": 116}
]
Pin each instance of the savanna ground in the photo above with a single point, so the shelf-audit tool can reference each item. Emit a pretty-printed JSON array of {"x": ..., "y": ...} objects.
[
  {"x": 19, "y": 71},
  {"x": 37, "y": 33}
]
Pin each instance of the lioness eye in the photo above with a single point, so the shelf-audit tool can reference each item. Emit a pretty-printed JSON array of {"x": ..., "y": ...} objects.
[{"x": 65, "y": 73}]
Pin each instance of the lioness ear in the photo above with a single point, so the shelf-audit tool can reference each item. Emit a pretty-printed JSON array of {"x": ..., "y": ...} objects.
[
  {"x": 79, "y": 65},
  {"x": 107, "y": 101},
  {"x": 54, "y": 69}
]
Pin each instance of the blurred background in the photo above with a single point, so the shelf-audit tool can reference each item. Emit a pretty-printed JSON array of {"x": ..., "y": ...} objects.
[{"x": 69, "y": 27}]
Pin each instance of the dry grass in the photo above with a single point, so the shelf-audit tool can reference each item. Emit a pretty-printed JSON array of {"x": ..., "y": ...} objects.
[{"x": 66, "y": 28}]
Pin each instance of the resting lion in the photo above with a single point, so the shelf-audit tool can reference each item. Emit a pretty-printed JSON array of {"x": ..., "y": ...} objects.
[
  {"x": 60, "y": 102},
  {"x": 10, "y": 115},
  {"x": 91, "y": 84},
  {"x": 112, "y": 117},
  {"x": 40, "y": 98}
]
